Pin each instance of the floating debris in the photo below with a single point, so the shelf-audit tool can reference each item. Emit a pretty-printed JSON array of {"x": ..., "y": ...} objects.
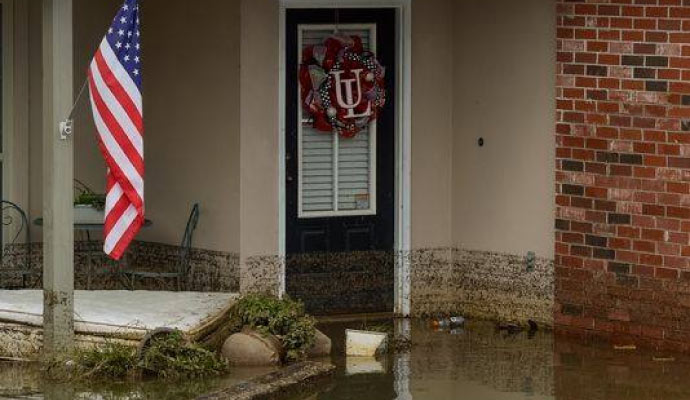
[
  {"x": 510, "y": 327},
  {"x": 365, "y": 343},
  {"x": 663, "y": 359},
  {"x": 624, "y": 347},
  {"x": 447, "y": 323}
]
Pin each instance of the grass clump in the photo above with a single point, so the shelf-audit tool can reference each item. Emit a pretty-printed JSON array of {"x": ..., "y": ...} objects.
[
  {"x": 110, "y": 360},
  {"x": 113, "y": 360},
  {"x": 284, "y": 318},
  {"x": 168, "y": 356},
  {"x": 171, "y": 356}
]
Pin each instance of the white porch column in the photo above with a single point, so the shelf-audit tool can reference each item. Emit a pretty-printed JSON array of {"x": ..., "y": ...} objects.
[
  {"x": 261, "y": 265},
  {"x": 58, "y": 215}
]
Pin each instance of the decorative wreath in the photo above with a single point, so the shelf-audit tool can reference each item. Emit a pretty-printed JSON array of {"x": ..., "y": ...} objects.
[{"x": 342, "y": 85}]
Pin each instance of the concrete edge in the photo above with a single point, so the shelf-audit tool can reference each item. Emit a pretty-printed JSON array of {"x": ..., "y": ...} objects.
[{"x": 286, "y": 382}]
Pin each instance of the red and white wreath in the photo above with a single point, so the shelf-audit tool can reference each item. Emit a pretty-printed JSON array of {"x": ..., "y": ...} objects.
[{"x": 342, "y": 85}]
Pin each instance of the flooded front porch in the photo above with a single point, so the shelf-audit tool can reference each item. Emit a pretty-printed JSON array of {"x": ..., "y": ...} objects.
[{"x": 114, "y": 315}]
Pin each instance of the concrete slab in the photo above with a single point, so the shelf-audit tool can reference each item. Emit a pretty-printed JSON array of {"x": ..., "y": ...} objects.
[{"x": 119, "y": 312}]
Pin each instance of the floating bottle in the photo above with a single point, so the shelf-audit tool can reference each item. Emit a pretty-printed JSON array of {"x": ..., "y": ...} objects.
[{"x": 447, "y": 323}]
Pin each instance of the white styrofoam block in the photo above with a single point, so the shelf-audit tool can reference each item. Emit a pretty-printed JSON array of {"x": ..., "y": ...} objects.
[{"x": 365, "y": 343}]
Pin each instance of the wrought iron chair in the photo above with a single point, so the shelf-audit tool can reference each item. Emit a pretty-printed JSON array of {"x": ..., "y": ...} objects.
[
  {"x": 183, "y": 268},
  {"x": 16, "y": 262}
]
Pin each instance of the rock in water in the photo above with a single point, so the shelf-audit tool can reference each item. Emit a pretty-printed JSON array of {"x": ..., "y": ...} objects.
[
  {"x": 250, "y": 348},
  {"x": 322, "y": 346}
]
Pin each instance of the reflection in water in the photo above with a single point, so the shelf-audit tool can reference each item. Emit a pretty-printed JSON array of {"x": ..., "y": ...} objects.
[
  {"x": 23, "y": 381},
  {"x": 476, "y": 362},
  {"x": 479, "y": 362}
]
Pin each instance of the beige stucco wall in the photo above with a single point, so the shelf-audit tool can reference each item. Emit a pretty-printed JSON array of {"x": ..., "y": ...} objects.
[
  {"x": 191, "y": 93},
  {"x": 479, "y": 68},
  {"x": 192, "y": 107},
  {"x": 432, "y": 102},
  {"x": 259, "y": 142},
  {"x": 504, "y": 72}
]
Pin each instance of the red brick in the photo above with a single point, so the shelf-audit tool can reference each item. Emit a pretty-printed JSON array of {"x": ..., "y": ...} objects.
[
  {"x": 679, "y": 37},
  {"x": 633, "y": 36},
  {"x": 668, "y": 224},
  {"x": 623, "y": 82},
  {"x": 659, "y": 37},
  {"x": 651, "y": 259},
  {"x": 680, "y": 12},
  {"x": 625, "y": 23},
  {"x": 643, "y": 270},
  {"x": 585, "y": 9},
  {"x": 656, "y": 12},
  {"x": 669, "y": 24},
  {"x": 644, "y": 246},
  {"x": 632, "y": 11},
  {"x": 653, "y": 234},
  {"x": 666, "y": 273},
  {"x": 678, "y": 212},
  {"x": 675, "y": 262}
]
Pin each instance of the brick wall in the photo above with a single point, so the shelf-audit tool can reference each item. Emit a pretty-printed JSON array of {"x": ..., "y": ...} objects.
[{"x": 623, "y": 169}]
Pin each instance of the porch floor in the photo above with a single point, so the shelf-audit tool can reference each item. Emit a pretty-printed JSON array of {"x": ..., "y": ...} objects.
[{"x": 122, "y": 313}]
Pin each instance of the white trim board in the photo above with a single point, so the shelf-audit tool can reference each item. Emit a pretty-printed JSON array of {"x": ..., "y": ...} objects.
[
  {"x": 403, "y": 133},
  {"x": 15, "y": 105}
]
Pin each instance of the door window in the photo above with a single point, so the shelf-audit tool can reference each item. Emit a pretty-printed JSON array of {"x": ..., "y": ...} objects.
[{"x": 337, "y": 176}]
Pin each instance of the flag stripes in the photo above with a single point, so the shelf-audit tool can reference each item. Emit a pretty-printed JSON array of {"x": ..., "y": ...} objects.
[{"x": 114, "y": 78}]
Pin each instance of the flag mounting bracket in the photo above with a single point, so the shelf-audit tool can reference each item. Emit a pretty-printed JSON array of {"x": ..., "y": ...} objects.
[{"x": 66, "y": 129}]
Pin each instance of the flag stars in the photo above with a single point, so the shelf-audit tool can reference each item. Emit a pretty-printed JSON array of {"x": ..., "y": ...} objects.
[{"x": 124, "y": 36}]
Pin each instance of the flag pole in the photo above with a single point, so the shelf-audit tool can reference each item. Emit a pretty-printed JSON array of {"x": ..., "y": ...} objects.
[{"x": 66, "y": 126}]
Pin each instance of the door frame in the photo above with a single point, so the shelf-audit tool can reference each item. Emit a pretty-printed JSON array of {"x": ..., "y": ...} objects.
[{"x": 403, "y": 132}]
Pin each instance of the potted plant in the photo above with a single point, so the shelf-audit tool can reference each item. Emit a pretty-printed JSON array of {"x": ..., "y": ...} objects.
[{"x": 88, "y": 205}]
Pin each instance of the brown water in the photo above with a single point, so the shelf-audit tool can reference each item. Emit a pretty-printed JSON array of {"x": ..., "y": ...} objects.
[
  {"x": 479, "y": 362},
  {"x": 474, "y": 363},
  {"x": 22, "y": 381}
]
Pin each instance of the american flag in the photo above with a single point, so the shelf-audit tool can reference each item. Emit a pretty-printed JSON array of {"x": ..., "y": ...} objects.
[{"x": 115, "y": 90}]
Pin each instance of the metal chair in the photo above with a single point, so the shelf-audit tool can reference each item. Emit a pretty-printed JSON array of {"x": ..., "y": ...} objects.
[
  {"x": 12, "y": 214},
  {"x": 183, "y": 267}
]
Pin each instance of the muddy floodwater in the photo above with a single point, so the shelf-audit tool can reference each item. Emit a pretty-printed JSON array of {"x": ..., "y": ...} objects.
[
  {"x": 479, "y": 362},
  {"x": 475, "y": 362}
]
